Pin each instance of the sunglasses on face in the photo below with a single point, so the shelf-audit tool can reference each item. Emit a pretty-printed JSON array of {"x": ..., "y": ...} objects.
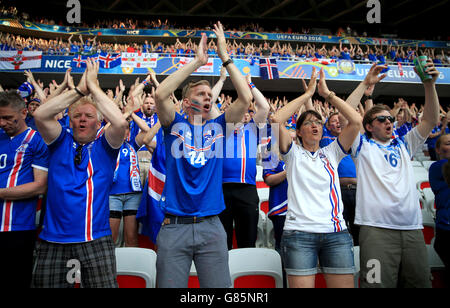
[
  {"x": 383, "y": 119},
  {"x": 77, "y": 159}
]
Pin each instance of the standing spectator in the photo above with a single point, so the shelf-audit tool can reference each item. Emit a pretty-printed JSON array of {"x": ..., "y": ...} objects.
[
  {"x": 74, "y": 47},
  {"x": 387, "y": 208},
  {"x": 239, "y": 175},
  {"x": 441, "y": 190},
  {"x": 32, "y": 105},
  {"x": 276, "y": 179},
  {"x": 126, "y": 191},
  {"x": 431, "y": 141},
  {"x": 81, "y": 171},
  {"x": 315, "y": 231},
  {"x": 23, "y": 177},
  {"x": 192, "y": 196}
]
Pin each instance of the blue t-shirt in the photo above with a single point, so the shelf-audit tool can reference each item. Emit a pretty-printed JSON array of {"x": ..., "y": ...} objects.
[
  {"x": 30, "y": 122},
  {"x": 278, "y": 193},
  {"x": 122, "y": 182},
  {"x": 18, "y": 156},
  {"x": 372, "y": 57},
  {"x": 346, "y": 168},
  {"x": 441, "y": 192},
  {"x": 431, "y": 142},
  {"x": 194, "y": 166},
  {"x": 241, "y": 152},
  {"x": 74, "y": 48},
  {"x": 78, "y": 195}
]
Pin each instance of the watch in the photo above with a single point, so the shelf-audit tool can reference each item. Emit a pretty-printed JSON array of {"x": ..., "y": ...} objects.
[{"x": 224, "y": 64}]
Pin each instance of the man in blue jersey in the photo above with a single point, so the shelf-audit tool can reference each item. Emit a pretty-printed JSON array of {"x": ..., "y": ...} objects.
[
  {"x": 76, "y": 229},
  {"x": 192, "y": 196},
  {"x": 23, "y": 177},
  {"x": 239, "y": 174}
]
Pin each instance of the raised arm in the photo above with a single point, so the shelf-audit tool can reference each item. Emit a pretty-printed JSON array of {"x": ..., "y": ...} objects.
[
  {"x": 45, "y": 114},
  {"x": 371, "y": 79},
  {"x": 262, "y": 106},
  {"x": 115, "y": 134},
  {"x": 430, "y": 117},
  {"x": 291, "y": 108},
  {"x": 235, "y": 113},
  {"x": 219, "y": 85},
  {"x": 164, "y": 105},
  {"x": 150, "y": 134},
  {"x": 37, "y": 88},
  {"x": 119, "y": 94},
  {"x": 354, "y": 119}
]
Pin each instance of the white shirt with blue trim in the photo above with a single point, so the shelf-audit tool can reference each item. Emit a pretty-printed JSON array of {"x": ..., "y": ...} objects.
[{"x": 386, "y": 195}]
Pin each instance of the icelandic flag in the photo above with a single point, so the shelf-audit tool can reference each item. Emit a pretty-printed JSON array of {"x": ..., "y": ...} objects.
[
  {"x": 80, "y": 60},
  {"x": 150, "y": 214},
  {"x": 268, "y": 68},
  {"x": 108, "y": 60}
]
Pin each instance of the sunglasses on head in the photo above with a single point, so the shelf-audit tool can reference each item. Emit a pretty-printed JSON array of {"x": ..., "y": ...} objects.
[
  {"x": 311, "y": 122},
  {"x": 77, "y": 159},
  {"x": 383, "y": 119}
]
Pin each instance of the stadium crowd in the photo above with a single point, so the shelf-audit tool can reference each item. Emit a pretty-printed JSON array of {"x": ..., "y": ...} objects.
[
  {"x": 340, "y": 172},
  {"x": 238, "y": 50},
  {"x": 248, "y": 50}
]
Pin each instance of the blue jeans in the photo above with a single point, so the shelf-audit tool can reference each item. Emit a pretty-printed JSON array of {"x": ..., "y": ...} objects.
[
  {"x": 205, "y": 243},
  {"x": 125, "y": 202},
  {"x": 304, "y": 253}
]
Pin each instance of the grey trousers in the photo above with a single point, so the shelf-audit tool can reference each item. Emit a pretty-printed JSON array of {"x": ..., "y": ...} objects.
[
  {"x": 205, "y": 243},
  {"x": 393, "y": 258}
]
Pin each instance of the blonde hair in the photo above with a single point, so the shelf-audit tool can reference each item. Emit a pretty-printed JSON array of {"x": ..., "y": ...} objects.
[
  {"x": 187, "y": 88},
  {"x": 85, "y": 101}
]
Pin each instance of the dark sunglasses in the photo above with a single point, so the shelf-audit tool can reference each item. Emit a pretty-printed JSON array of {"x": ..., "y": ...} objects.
[
  {"x": 77, "y": 159},
  {"x": 383, "y": 119}
]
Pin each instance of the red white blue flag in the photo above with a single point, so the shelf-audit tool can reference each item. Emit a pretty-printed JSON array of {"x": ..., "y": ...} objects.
[
  {"x": 268, "y": 68},
  {"x": 108, "y": 60}
]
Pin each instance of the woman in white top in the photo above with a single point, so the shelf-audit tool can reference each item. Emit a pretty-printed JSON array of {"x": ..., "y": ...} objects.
[{"x": 315, "y": 229}]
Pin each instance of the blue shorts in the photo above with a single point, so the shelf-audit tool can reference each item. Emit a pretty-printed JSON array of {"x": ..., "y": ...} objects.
[
  {"x": 125, "y": 202},
  {"x": 305, "y": 253}
]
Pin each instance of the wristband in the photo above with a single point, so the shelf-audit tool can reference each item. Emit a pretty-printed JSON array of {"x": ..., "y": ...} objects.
[
  {"x": 330, "y": 96},
  {"x": 368, "y": 97},
  {"x": 145, "y": 82},
  {"x": 79, "y": 92},
  {"x": 251, "y": 85},
  {"x": 224, "y": 64}
]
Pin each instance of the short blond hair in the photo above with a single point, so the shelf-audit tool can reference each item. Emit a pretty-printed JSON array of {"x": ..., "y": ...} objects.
[
  {"x": 187, "y": 88},
  {"x": 85, "y": 101}
]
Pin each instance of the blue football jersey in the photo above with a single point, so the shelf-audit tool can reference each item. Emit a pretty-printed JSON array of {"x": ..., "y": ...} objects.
[
  {"x": 241, "y": 153},
  {"x": 18, "y": 156},
  {"x": 277, "y": 194},
  {"x": 78, "y": 194},
  {"x": 194, "y": 165},
  {"x": 127, "y": 167}
]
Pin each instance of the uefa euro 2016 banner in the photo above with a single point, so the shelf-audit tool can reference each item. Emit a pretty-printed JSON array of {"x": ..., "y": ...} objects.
[
  {"x": 135, "y": 65},
  {"x": 322, "y": 39}
]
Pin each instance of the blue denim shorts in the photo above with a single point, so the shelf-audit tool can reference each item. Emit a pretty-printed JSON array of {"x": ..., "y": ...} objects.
[
  {"x": 305, "y": 253},
  {"x": 125, "y": 202}
]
